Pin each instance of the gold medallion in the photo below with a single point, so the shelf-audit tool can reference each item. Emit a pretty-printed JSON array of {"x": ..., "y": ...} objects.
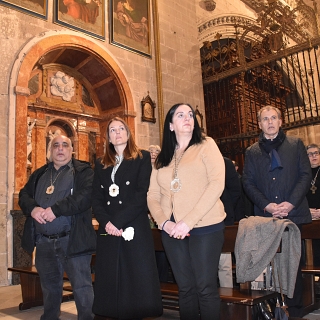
[
  {"x": 175, "y": 185},
  {"x": 50, "y": 190}
]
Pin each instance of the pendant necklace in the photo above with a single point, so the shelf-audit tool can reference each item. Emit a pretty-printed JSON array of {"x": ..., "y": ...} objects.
[
  {"x": 313, "y": 187},
  {"x": 175, "y": 184},
  {"x": 114, "y": 189},
  {"x": 50, "y": 189}
]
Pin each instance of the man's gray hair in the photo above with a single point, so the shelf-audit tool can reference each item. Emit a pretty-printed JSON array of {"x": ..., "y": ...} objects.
[{"x": 268, "y": 108}]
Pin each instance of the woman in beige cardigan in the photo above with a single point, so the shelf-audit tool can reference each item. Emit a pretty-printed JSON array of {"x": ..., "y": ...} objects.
[{"x": 184, "y": 198}]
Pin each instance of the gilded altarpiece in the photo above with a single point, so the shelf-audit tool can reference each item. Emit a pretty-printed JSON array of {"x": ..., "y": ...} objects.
[{"x": 61, "y": 102}]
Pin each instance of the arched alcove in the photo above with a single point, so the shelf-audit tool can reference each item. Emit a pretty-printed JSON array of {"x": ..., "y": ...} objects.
[{"x": 101, "y": 91}]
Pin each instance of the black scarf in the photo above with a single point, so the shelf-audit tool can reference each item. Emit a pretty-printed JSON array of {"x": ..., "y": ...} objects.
[{"x": 271, "y": 146}]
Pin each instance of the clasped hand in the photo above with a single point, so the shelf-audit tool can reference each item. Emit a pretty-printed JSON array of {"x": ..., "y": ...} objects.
[
  {"x": 43, "y": 216},
  {"x": 280, "y": 210},
  {"x": 315, "y": 213},
  {"x": 178, "y": 230}
]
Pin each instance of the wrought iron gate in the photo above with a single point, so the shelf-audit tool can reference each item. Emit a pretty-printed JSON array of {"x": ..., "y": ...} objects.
[{"x": 289, "y": 80}]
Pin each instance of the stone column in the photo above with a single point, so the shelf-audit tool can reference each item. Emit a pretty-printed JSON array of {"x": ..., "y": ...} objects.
[
  {"x": 40, "y": 145},
  {"x": 20, "y": 142}
]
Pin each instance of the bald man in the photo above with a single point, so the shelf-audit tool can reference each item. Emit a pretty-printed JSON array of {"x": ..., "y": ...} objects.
[{"x": 57, "y": 203}]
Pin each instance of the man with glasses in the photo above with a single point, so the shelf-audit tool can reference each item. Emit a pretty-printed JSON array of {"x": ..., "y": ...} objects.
[
  {"x": 313, "y": 195},
  {"x": 277, "y": 177},
  {"x": 57, "y": 203}
]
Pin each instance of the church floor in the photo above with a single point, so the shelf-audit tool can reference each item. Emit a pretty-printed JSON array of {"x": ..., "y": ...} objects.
[{"x": 10, "y": 297}]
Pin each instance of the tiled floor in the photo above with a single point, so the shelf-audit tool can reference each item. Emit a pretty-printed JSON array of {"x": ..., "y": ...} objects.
[{"x": 10, "y": 297}]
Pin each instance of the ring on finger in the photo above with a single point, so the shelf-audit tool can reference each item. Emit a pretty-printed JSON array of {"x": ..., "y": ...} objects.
[{"x": 178, "y": 237}]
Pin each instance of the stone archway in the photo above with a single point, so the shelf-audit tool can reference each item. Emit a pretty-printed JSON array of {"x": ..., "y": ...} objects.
[{"x": 49, "y": 49}]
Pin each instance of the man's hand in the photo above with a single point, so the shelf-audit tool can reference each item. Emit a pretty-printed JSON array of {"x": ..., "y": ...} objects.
[
  {"x": 284, "y": 208},
  {"x": 315, "y": 213},
  {"x": 272, "y": 208},
  {"x": 37, "y": 214},
  {"x": 278, "y": 210},
  {"x": 48, "y": 215}
]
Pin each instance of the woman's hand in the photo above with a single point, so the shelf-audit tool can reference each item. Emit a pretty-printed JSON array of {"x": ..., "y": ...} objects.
[
  {"x": 112, "y": 230},
  {"x": 180, "y": 230},
  {"x": 168, "y": 225}
]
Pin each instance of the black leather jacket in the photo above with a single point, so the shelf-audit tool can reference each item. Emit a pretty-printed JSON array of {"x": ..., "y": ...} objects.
[{"x": 78, "y": 205}]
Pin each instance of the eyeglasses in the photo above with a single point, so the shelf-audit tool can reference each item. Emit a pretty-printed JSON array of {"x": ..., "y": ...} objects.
[{"x": 312, "y": 154}]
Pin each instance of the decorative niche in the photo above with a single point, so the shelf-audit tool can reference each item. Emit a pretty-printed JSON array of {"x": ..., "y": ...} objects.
[{"x": 148, "y": 109}]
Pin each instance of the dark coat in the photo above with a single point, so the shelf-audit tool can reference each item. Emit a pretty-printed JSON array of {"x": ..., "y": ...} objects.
[
  {"x": 231, "y": 193},
  {"x": 290, "y": 183},
  {"x": 78, "y": 205},
  {"x": 126, "y": 281}
]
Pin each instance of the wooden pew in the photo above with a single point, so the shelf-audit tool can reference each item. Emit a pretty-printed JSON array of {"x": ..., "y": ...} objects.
[
  {"x": 30, "y": 283},
  {"x": 31, "y": 288},
  {"x": 309, "y": 232},
  {"x": 236, "y": 303}
]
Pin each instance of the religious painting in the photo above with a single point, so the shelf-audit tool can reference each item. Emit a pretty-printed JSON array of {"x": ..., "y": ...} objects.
[
  {"x": 148, "y": 109},
  {"x": 37, "y": 8},
  {"x": 130, "y": 25},
  {"x": 86, "y": 16}
]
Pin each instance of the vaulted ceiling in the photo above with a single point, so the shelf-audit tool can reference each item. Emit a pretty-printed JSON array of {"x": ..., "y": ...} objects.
[{"x": 97, "y": 73}]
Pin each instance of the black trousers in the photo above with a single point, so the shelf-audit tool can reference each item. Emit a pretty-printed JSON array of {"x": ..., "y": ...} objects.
[{"x": 194, "y": 262}]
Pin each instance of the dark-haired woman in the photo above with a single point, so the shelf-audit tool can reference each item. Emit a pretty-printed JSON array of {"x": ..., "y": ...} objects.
[
  {"x": 126, "y": 278},
  {"x": 184, "y": 199}
]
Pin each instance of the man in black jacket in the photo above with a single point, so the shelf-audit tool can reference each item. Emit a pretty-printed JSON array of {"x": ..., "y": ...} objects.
[
  {"x": 277, "y": 177},
  {"x": 57, "y": 203}
]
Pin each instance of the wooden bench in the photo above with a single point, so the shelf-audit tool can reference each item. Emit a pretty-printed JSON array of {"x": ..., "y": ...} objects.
[
  {"x": 31, "y": 288},
  {"x": 236, "y": 303},
  {"x": 309, "y": 232}
]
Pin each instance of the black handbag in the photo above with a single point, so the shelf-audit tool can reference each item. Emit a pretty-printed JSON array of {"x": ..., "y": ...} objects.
[
  {"x": 264, "y": 310},
  {"x": 281, "y": 310}
]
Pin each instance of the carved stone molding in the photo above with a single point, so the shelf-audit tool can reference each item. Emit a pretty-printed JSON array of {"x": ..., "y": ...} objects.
[
  {"x": 22, "y": 91},
  {"x": 230, "y": 20}
]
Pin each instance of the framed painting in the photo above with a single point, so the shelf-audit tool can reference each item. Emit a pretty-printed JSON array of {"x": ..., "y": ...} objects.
[
  {"x": 87, "y": 16},
  {"x": 148, "y": 109},
  {"x": 37, "y": 8},
  {"x": 130, "y": 25}
]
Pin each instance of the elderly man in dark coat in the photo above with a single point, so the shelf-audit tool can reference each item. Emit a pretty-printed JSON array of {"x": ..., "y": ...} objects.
[
  {"x": 277, "y": 177},
  {"x": 57, "y": 203}
]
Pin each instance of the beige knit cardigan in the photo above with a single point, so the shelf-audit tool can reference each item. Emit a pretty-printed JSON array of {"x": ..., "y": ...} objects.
[{"x": 202, "y": 174}]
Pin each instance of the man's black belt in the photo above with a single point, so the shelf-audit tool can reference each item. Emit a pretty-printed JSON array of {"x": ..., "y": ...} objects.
[{"x": 57, "y": 235}]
